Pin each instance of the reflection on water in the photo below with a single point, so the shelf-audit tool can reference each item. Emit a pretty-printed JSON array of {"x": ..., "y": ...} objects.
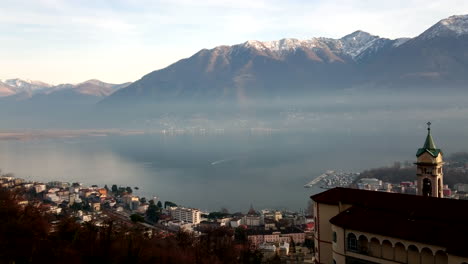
[{"x": 214, "y": 171}]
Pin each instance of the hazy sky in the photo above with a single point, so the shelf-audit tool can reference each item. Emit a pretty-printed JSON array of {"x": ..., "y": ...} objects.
[{"x": 59, "y": 41}]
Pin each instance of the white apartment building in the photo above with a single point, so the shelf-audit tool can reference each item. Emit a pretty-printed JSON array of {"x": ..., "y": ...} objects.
[{"x": 186, "y": 214}]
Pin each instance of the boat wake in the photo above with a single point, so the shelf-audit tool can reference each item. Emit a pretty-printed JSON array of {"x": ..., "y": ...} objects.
[{"x": 222, "y": 161}]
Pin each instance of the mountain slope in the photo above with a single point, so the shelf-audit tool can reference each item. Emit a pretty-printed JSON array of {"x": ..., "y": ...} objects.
[
  {"x": 55, "y": 106},
  {"x": 251, "y": 69},
  {"x": 436, "y": 58},
  {"x": 291, "y": 67},
  {"x": 6, "y": 90}
]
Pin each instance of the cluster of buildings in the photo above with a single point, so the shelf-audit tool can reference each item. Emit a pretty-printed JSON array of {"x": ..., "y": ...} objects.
[
  {"x": 274, "y": 233},
  {"x": 406, "y": 187},
  {"x": 270, "y": 231},
  {"x": 57, "y": 197}
]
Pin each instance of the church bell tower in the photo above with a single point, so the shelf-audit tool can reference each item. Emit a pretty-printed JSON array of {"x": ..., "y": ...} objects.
[{"x": 429, "y": 168}]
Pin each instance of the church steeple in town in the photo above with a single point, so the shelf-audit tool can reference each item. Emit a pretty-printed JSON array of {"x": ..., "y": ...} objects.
[
  {"x": 429, "y": 167},
  {"x": 429, "y": 145}
]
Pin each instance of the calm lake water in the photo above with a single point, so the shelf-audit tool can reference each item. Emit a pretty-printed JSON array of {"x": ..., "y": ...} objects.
[{"x": 233, "y": 170}]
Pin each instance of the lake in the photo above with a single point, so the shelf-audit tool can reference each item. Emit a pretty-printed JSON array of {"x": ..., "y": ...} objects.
[{"x": 236, "y": 169}]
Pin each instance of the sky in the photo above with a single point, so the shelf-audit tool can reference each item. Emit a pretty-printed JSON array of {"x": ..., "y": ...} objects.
[{"x": 116, "y": 41}]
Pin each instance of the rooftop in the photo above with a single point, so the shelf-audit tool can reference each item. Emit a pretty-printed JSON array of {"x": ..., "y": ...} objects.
[{"x": 403, "y": 216}]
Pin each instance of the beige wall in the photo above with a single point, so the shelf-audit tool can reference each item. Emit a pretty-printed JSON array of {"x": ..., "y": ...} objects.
[
  {"x": 323, "y": 234},
  {"x": 338, "y": 247},
  {"x": 427, "y": 158},
  {"x": 434, "y": 176},
  {"x": 387, "y": 250}
]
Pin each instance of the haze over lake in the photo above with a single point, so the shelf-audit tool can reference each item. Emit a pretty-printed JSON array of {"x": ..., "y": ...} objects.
[{"x": 233, "y": 169}]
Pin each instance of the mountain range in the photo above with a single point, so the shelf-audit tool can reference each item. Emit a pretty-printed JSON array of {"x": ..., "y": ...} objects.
[
  {"x": 28, "y": 90},
  {"x": 435, "y": 60}
]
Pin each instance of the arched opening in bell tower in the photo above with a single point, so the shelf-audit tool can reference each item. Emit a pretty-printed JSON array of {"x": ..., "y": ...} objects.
[
  {"x": 427, "y": 187},
  {"x": 439, "y": 187}
]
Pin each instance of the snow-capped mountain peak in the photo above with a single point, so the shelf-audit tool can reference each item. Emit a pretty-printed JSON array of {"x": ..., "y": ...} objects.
[
  {"x": 26, "y": 84},
  {"x": 357, "y": 42},
  {"x": 358, "y": 36},
  {"x": 451, "y": 26},
  {"x": 279, "y": 45},
  {"x": 352, "y": 44}
]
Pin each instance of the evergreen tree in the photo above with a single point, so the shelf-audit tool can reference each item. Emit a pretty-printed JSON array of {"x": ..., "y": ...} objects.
[
  {"x": 128, "y": 189},
  {"x": 170, "y": 204},
  {"x": 137, "y": 218},
  {"x": 153, "y": 212}
]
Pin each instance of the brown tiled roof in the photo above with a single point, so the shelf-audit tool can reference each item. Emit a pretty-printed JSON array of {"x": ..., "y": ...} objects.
[
  {"x": 435, "y": 221},
  {"x": 437, "y": 208}
]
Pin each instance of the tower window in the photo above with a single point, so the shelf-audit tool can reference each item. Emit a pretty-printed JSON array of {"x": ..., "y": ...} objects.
[{"x": 427, "y": 187}]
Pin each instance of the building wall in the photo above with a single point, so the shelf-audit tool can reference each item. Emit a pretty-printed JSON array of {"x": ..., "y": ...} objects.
[
  {"x": 323, "y": 234},
  {"x": 388, "y": 250},
  {"x": 338, "y": 247},
  {"x": 186, "y": 214}
]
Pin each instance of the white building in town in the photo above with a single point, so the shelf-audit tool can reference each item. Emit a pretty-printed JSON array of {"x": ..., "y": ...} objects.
[{"x": 186, "y": 214}]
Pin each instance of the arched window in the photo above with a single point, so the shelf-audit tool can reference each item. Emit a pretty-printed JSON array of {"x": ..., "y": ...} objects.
[
  {"x": 334, "y": 237},
  {"x": 442, "y": 258},
  {"x": 427, "y": 256},
  {"x": 363, "y": 244},
  {"x": 387, "y": 250},
  {"x": 375, "y": 249},
  {"x": 427, "y": 187},
  {"x": 413, "y": 255},
  {"x": 352, "y": 242},
  {"x": 400, "y": 252},
  {"x": 439, "y": 187}
]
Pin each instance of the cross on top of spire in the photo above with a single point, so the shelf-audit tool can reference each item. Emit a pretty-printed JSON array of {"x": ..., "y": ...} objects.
[{"x": 429, "y": 145}]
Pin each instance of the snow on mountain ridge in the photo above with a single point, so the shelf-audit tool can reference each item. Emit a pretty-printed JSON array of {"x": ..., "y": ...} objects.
[
  {"x": 454, "y": 25},
  {"x": 280, "y": 45},
  {"x": 357, "y": 42},
  {"x": 25, "y": 84},
  {"x": 352, "y": 44},
  {"x": 458, "y": 24}
]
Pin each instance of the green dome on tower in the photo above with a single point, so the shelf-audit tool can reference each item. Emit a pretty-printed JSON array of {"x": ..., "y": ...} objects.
[{"x": 429, "y": 145}]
